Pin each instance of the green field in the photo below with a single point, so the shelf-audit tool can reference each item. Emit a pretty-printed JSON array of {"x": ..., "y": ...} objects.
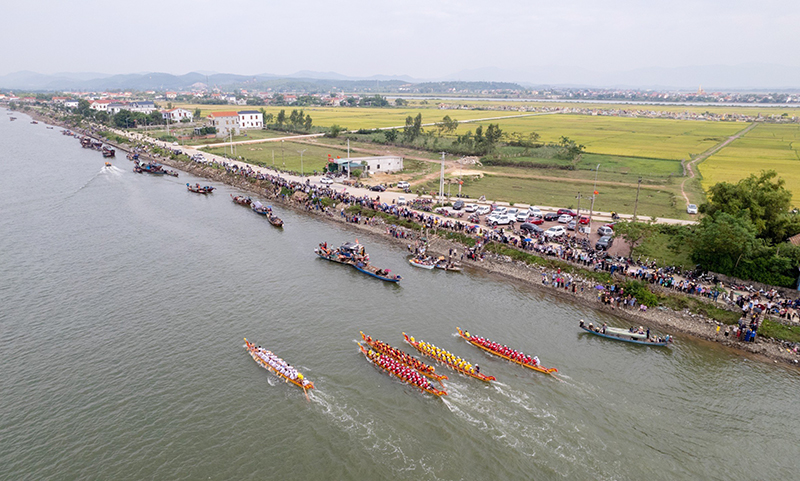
[
  {"x": 766, "y": 147},
  {"x": 660, "y": 203},
  {"x": 629, "y": 137},
  {"x": 286, "y": 155}
]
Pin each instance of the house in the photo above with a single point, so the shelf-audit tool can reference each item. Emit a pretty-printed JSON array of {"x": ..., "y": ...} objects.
[
  {"x": 59, "y": 100},
  {"x": 383, "y": 163},
  {"x": 224, "y": 122},
  {"x": 145, "y": 106},
  {"x": 114, "y": 107},
  {"x": 177, "y": 115},
  {"x": 71, "y": 104},
  {"x": 251, "y": 119},
  {"x": 171, "y": 95},
  {"x": 101, "y": 105}
]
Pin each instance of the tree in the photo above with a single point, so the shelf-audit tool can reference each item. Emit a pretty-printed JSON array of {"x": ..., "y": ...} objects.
[
  {"x": 632, "y": 232},
  {"x": 281, "y": 118},
  {"x": 335, "y": 130},
  {"x": 197, "y": 113},
  {"x": 307, "y": 123},
  {"x": 398, "y": 102},
  {"x": 408, "y": 130},
  {"x": 268, "y": 119},
  {"x": 569, "y": 148},
  {"x": 722, "y": 240},
  {"x": 763, "y": 199},
  {"x": 390, "y": 135}
]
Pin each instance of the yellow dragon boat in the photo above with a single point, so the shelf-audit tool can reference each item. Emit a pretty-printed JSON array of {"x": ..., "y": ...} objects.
[{"x": 430, "y": 350}]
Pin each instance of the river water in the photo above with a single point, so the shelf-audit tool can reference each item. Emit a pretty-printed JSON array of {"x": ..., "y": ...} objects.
[{"x": 125, "y": 299}]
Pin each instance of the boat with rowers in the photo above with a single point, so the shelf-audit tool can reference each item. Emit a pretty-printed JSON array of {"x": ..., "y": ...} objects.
[
  {"x": 506, "y": 353},
  {"x": 276, "y": 365},
  {"x": 206, "y": 189},
  {"x": 401, "y": 371},
  {"x": 242, "y": 200},
  {"x": 422, "y": 262},
  {"x": 403, "y": 357},
  {"x": 450, "y": 360},
  {"x": 634, "y": 336}
]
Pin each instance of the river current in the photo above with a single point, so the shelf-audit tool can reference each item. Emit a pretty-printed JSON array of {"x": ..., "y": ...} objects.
[{"x": 124, "y": 300}]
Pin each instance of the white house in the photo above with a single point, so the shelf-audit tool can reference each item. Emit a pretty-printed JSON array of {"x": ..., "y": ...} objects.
[
  {"x": 177, "y": 115},
  {"x": 224, "y": 122},
  {"x": 114, "y": 107},
  {"x": 101, "y": 105},
  {"x": 383, "y": 163},
  {"x": 146, "y": 107},
  {"x": 71, "y": 104},
  {"x": 251, "y": 119}
]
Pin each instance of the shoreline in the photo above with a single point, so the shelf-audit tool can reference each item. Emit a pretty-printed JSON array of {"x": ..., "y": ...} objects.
[{"x": 663, "y": 318}]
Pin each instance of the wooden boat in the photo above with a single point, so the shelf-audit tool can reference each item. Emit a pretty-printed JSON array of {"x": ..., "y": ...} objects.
[
  {"x": 155, "y": 169},
  {"x": 626, "y": 335},
  {"x": 275, "y": 220},
  {"x": 382, "y": 274},
  {"x": 171, "y": 173},
  {"x": 260, "y": 208},
  {"x": 34, "y": 122},
  {"x": 108, "y": 164},
  {"x": 108, "y": 152},
  {"x": 333, "y": 255},
  {"x": 242, "y": 200},
  {"x": 443, "y": 265},
  {"x": 137, "y": 169},
  {"x": 467, "y": 372},
  {"x": 421, "y": 263},
  {"x": 382, "y": 362},
  {"x": 536, "y": 367},
  {"x": 206, "y": 189},
  {"x": 299, "y": 381},
  {"x": 403, "y": 358}
]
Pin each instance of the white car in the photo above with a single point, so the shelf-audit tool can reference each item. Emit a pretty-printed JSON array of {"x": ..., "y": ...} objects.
[
  {"x": 512, "y": 212},
  {"x": 555, "y": 231},
  {"x": 605, "y": 230},
  {"x": 522, "y": 216},
  {"x": 483, "y": 210},
  {"x": 500, "y": 220},
  {"x": 403, "y": 185},
  {"x": 691, "y": 209},
  {"x": 470, "y": 207},
  {"x": 565, "y": 219},
  {"x": 534, "y": 211},
  {"x": 326, "y": 181},
  {"x": 500, "y": 211},
  {"x": 401, "y": 200}
]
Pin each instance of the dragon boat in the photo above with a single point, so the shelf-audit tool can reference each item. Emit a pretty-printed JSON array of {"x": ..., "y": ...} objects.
[
  {"x": 403, "y": 358},
  {"x": 519, "y": 358},
  {"x": 394, "y": 368},
  {"x": 256, "y": 353},
  {"x": 442, "y": 356}
]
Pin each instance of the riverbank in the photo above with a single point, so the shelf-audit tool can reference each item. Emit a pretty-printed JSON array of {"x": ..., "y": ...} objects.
[{"x": 663, "y": 318}]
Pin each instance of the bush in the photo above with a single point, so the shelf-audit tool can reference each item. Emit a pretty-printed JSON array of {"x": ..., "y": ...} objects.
[{"x": 641, "y": 292}]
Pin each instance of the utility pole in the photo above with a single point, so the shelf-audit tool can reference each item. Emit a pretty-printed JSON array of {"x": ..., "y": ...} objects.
[
  {"x": 594, "y": 194},
  {"x": 636, "y": 204},
  {"x": 348, "y": 148},
  {"x": 283, "y": 157},
  {"x": 579, "y": 204},
  {"x": 301, "y": 161},
  {"x": 441, "y": 182}
]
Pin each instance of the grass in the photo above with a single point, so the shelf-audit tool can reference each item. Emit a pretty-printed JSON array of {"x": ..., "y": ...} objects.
[
  {"x": 667, "y": 248},
  {"x": 286, "y": 155},
  {"x": 770, "y": 328},
  {"x": 767, "y": 146},
  {"x": 652, "y": 202},
  {"x": 679, "y": 302}
]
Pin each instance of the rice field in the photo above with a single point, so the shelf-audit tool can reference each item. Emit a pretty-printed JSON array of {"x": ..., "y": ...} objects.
[
  {"x": 766, "y": 147},
  {"x": 622, "y": 136}
]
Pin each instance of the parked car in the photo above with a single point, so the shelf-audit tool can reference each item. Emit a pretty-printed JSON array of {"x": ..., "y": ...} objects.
[
  {"x": 584, "y": 219},
  {"x": 605, "y": 230},
  {"x": 401, "y": 200},
  {"x": 470, "y": 207},
  {"x": 691, "y": 209},
  {"x": 500, "y": 210},
  {"x": 483, "y": 210},
  {"x": 534, "y": 211},
  {"x": 378, "y": 188},
  {"x": 403, "y": 185},
  {"x": 512, "y": 212},
  {"x": 567, "y": 212},
  {"x": 501, "y": 220},
  {"x": 530, "y": 229},
  {"x": 326, "y": 181},
  {"x": 458, "y": 205},
  {"x": 571, "y": 225},
  {"x": 536, "y": 220},
  {"x": 550, "y": 216},
  {"x": 564, "y": 219},
  {"x": 604, "y": 243},
  {"x": 555, "y": 231}
]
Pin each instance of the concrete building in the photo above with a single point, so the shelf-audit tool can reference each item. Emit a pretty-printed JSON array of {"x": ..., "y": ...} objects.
[
  {"x": 251, "y": 119},
  {"x": 225, "y": 123},
  {"x": 146, "y": 107},
  {"x": 177, "y": 115},
  {"x": 383, "y": 163}
]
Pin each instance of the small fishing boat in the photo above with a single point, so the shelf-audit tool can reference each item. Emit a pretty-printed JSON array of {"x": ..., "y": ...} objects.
[
  {"x": 278, "y": 366},
  {"x": 34, "y": 122},
  {"x": 107, "y": 152},
  {"x": 446, "y": 265},
  {"x": 342, "y": 255},
  {"x": 260, "y": 208},
  {"x": 206, "y": 189},
  {"x": 638, "y": 336},
  {"x": 382, "y": 274},
  {"x": 400, "y": 371},
  {"x": 403, "y": 358},
  {"x": 108, "y": 164},
  {"x": 51, "y": 128},
  {"x": 448, "y": 359},
  {"x": 150, "y": 168},
  {"x": 513, "y": 356},
  {"x": 275, "y": 220},
  {"x": 242, "y": 200},
  {"x": 422, "y": 263},
  {"x": 137, "y": 169},
  {"x": 12, "y": 118}
]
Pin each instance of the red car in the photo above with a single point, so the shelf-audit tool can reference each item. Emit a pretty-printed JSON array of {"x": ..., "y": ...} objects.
[
  {"x": 584, "y": 219},
  {"x": 567, "y": 211},
  {"x": 535, "y": 220}
]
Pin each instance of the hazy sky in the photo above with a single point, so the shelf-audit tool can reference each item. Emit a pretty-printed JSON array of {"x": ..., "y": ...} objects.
[{"x": 423, "y": 39}]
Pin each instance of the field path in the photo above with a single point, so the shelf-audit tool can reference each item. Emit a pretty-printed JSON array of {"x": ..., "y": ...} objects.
[{"x": 688, "y": 166}]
